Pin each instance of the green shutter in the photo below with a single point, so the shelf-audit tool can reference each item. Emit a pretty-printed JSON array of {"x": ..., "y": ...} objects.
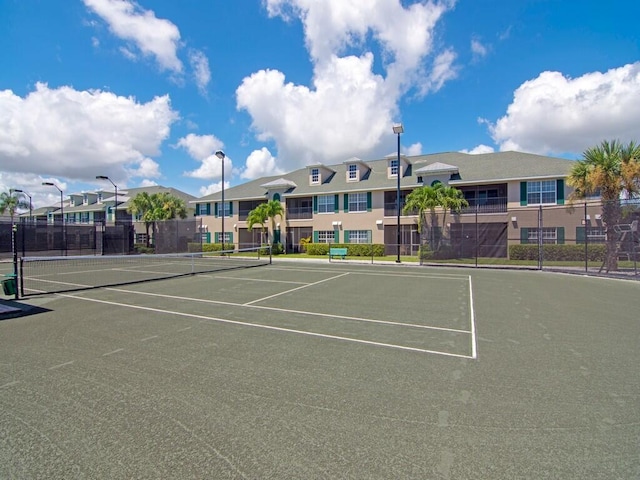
[
  {"x": 346, "y": 203},
  {"x": 231, "y": 209},
  {"x": 208, "y": 209},
  {"x": 315, "y": 204},
  {"x": 580, "y": 234},
  {"x": 560, "y": 235},
  {"x": 368, "y": 201},
  {"x": 560, "y": 192},
  {"x": 523, "y": 193},
  {"x": 215, "y": 205},
  {"x": 217, "y": 237},
  {"x": 208, "y": 237},
  {"x": 336, "y": 203},
  {"x": 524, "y": 235},
  {"x": 197, "y": 209},
  {"x": 369, "y": 236},
  {"x": 346, "y": 236},
  {"x": 230, "y": 237},
  {"x": 315, "y": 236},
  {"x": 336, "y": 236}
]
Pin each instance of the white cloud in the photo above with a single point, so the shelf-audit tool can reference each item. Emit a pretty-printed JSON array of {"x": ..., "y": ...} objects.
[
  {"x": 479, "y": 149},
  {"x": 153, "y": 36},
  {"x": 211, "y": 168},
  {"x": 79, "y": 134},
  {"x": 200, "y": 147},
  {"x": 148, "y": 183},
  {"x": 260, "y": 163},
  {"x": 478, "y": 50},
  {"x": 554, "y": 114},
  {"x": 348, "y": 109},
  {"x": 146, "y": 168},
  {"x": 200, "y": 65},
  {"x": 415, "y": 149},
  {"x": 213, "y": 188}
]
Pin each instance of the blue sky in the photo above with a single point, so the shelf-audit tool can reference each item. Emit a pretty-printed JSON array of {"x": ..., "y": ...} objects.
[{"x": 145, "y": 92}]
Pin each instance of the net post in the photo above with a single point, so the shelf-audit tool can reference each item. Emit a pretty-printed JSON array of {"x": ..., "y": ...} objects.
[
  {"x": 14, "y": 231},
  {"x": 270, "y": 255}
]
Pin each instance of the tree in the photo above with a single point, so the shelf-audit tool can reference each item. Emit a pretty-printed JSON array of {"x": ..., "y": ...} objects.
[
  {"x": 156, "y": 207},
  {"x": 262, "y": 213},
  {"x": 611, "y": 170},
  {"x": 11, "y": 202},
  {"x": 141, "y": 207},
  {"x": 426, "y": 199}
]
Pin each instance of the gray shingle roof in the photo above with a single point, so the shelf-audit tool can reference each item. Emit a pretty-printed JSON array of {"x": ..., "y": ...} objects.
[{"x": 473, "y": 169}]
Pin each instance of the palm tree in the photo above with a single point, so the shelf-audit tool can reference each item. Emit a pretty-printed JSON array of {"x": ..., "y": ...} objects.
[
  {"x": 426, "y": 199},
  {"x": 12, "y": 203},
  {"x": 169, "y": 206},
  {"x": 264, "y": 212},
  {"x": 450, "y": 199},
  {"x": 611, "y": 170},
  {"x": 141, "y": 207}
]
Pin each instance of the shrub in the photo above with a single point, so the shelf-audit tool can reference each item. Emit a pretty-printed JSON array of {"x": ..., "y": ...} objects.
[
  {"x": 567, "y": 253},
  {"x": 353, "y": 249},
  {"x": 142, "y": 248}
]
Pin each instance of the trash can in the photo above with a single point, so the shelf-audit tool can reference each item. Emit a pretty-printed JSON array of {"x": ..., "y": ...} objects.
[{"x": 9, "y": 286}]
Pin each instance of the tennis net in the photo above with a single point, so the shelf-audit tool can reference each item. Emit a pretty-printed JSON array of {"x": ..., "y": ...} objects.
[{"x": 39, "y": 275}]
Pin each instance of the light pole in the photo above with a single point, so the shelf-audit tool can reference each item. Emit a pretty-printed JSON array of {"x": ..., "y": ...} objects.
[
  {"x": 17, "y": 190},
  {"x": 115, "y": 211},
  {"x": 220, "y": 154},
  {"x": 64, "y": 233},
  {"x": 398, "y": 129}
]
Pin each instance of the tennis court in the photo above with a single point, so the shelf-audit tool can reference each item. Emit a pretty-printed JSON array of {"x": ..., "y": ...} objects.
[{"x": 323, "y": 370}]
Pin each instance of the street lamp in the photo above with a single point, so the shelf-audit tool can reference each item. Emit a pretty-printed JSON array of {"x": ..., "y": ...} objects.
[
  {"x": 398, "y": 129},
  {"x": 220, "y": 154},
  {"x": 64, "y": 230},
  {"x": 115, "y": 211},
  {"x": 17, "y": 190}
]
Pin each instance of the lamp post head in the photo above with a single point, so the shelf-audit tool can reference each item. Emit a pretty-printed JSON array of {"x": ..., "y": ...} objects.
[
  {"x": 398, "y": 128},
  {"x": 49, "y": 184},
  {"x": 102, "y": 177},
  {"x": 220, "y": 154}
]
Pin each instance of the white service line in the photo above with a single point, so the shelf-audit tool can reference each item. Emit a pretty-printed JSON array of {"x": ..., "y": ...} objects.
[
  {"x": 266, "y": 327},
  {"x": 61, "y": 365},
  {"x": 113, "y": 352},
  {"x": 474, "y": 343},
  {"x": 294, "y": 289},
  {"x": 288, "y": 310}
]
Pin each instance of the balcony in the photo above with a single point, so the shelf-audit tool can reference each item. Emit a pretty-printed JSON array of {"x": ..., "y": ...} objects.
[
  {"x": 486, "y": 205},
  {"x": 299, "y": 213}
]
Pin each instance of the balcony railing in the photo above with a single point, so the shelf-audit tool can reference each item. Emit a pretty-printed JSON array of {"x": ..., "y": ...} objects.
[
  {"x": 299, "y": 213},
  {"x": 486, "y": 205}
]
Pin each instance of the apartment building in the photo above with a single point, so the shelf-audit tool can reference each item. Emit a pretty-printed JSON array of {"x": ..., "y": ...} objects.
[{"x": 356, "y": 201}]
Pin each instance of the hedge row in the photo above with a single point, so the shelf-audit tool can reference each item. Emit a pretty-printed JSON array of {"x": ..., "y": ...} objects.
[
  {"x": 571, "y": 253},
  {"x": 353, "y": 249}
]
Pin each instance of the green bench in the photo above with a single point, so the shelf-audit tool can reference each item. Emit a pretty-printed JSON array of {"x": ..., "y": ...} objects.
[{"x": 337, "y": 252}]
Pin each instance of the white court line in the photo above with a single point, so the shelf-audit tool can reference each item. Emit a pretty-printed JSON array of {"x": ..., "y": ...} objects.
[
  {"x": 113, "y": 352},
  {"x": 287, "y": 310},
  {"x": 226, "y": 277},
  {"x": 149, "y": 338},
  {"x": 266, "y": 327},
  {"x": 10, "y": 384},
  {"x": 61, "y": 365},
  {"x": 474, "y": 343},
  {"x": 294, "y": 289},
  {"x": 441, "y": 276}
]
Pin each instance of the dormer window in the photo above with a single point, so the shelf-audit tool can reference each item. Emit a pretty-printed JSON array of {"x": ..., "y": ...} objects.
[
  {"x": 99, "y": 197},
  {"x": 353, "y": 171},
  {"x": 394, "y": 168},
  {"x": 315, "y": 175},
  {"x": 85, "y": 199}
]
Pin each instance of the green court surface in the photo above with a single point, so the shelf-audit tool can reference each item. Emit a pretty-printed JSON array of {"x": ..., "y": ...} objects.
[{"x": 300, "y": 370}]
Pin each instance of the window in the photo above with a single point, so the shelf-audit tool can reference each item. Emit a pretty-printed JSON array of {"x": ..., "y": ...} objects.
[
  {"x": 594, "y": 235},
  {"x": 358, "y": 202},
  {"x": 359, "y": 236},
  {"x": 227, "y": 209},
  {"x": 541, "y": 192},
  {"x": 394, "y": 168},
  {"x": 85, "y": 199},
  {"x": 549, "y": 235},
  {"x": 326, "y": 203},
  {"x": 202, "y": 209},
  {"x": 141, "y": 238},
  {"x": 99, "y": 197},
  {"x": 315, "y": 175},
  {"x": 84, "y": 217},
  {"x": 326, "y": 236},
  {"x": 353, "y": 172}
]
